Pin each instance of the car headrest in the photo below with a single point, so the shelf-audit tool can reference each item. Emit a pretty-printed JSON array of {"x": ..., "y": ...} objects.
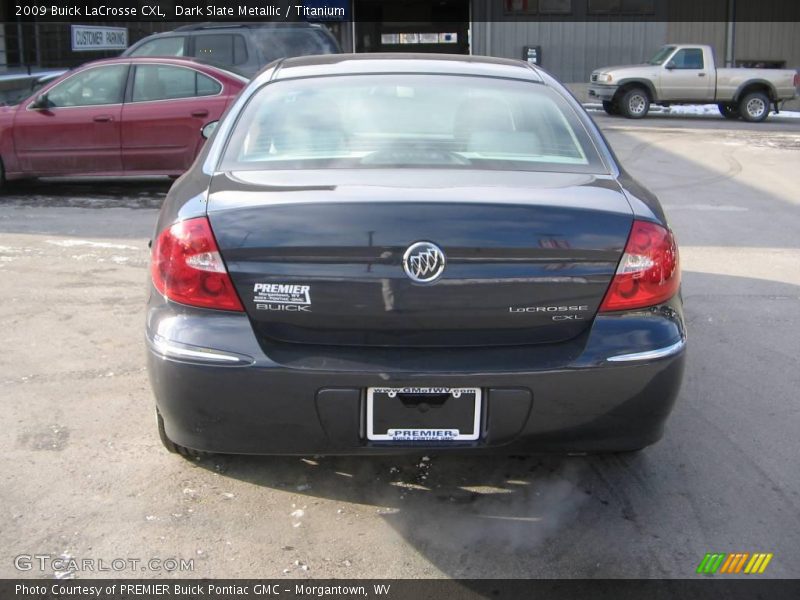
[{"x": 484, "y": 114}]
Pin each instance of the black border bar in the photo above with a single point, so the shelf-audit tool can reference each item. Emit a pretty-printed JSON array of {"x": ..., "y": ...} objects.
[
  {"x": 388, "y": 11},
  {"x": 434, "y": 589}
]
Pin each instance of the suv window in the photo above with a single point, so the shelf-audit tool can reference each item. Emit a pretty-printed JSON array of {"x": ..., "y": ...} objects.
[
  {"x": 164, "y": 82},
  {"x": 275, "y": 44},
  {"x": 221, "y": 48},
  {"x": 688, "y": 58},
  {"x": 92, "y": 87},
  {"x": 167, "y": 46}
]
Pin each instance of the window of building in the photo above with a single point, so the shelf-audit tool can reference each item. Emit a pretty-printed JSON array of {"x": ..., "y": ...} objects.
[
  {"x": 555, "y": 7},
  {"x": 622, "y": 7},
  {"x": 532, "y": 7}
]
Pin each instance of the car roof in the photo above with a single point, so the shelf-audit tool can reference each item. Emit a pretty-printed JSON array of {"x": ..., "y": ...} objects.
[
  {"x": 363, "y": 64},
  {"x": 213, "y": 27},
  {"x": 242, "y": 25},
  {"x": 169, "y": 60}
]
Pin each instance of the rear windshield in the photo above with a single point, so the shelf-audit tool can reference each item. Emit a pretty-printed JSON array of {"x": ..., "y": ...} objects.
[
  {"x": 394, "y": 121},
  {"x": 277, "y": 43}
]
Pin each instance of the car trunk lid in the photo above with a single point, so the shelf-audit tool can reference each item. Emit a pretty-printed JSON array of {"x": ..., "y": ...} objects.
[{"x": 529, "y": 256}]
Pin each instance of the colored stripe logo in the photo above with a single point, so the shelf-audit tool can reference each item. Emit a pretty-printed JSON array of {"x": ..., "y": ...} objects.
[{"x": 735, "y": 563}]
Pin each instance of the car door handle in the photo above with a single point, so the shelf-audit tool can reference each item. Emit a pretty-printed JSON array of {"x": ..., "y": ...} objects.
[
  {"x": 200, "y": 113},
  {"x": 102, "y": 118},
  {"x": 701, "y": 74}
]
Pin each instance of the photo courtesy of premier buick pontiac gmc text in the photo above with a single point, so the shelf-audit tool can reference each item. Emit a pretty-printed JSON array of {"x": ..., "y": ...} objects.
[{"x": 402, "y": 253}]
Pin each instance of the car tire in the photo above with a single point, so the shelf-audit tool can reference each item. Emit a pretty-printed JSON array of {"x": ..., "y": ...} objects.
[
  {"x": 610, "y": 107},
  {"x": 635, "y": 103},
  {"x": 754, "y": 107},
  {"x": 172, "y": 446},
  {"x": 729, "y": 110}
]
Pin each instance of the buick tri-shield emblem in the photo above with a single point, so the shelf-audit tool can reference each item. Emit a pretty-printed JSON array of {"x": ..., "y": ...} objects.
[{"x": 424, "y": 262}]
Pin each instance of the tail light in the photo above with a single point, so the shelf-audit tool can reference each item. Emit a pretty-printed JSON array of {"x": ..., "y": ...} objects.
[
  {"x": 797, "y": 79},
  {"x": 186, "y": 267},
  {"x": 648, "y": 273}
]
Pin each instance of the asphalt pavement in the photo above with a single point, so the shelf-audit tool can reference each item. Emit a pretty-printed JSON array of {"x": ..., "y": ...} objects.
[{"x": 85, "y": 476}]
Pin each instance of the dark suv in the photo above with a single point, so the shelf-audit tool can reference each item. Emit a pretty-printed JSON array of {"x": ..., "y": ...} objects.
[{"x": 246, "y": 47}]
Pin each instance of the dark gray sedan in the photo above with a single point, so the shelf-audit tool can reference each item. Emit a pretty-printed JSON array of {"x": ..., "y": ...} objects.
[{"x": 402, "y": 253}]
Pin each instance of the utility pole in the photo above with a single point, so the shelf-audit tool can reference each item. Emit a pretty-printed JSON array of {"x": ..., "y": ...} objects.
[{"x": 730, "y": 35}]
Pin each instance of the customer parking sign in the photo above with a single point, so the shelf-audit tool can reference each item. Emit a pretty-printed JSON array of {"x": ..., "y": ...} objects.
[{"x": 86, "y": 38}]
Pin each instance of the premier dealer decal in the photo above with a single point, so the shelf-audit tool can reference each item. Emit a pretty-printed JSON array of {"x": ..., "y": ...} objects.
[{"x": 284, "y": 297}]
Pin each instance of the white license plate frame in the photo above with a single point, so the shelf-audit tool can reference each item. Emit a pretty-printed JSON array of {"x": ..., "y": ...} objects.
[{"x": 389, "y": 437}]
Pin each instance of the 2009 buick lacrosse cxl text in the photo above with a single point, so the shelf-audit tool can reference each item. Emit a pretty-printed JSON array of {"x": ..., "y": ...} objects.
[{"x": 396, "y": 253}]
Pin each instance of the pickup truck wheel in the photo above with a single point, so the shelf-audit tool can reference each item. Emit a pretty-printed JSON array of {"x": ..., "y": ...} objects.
[
  {"x": 754, "y": 107},
  {"x": 635, "y": 103},
  {"x": 610, "y": 107},
  {"x": 728, "y": 110}
]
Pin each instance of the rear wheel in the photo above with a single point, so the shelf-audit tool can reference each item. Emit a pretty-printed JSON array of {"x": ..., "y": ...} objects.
[
  {"x": 754, "y": 107},
  {"x": 635, "y": 103},
  {"x": 172, "y": 446},
  {"x": 729, "y": 110}
]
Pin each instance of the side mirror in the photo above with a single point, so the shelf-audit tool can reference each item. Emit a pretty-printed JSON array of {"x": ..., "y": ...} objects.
[
  {"x": 208, "y": 129},
  {"x": 41, "y": 101},
  {"x": 671, "y": 65}
]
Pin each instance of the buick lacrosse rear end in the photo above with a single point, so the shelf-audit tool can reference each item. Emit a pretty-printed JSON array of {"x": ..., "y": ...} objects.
[{"x": 400, "y": 253}]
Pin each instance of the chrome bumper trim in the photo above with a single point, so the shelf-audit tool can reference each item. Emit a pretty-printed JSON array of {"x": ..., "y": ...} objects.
[
  {"x": 174, "y": 350},
  {"x": 650, "y": 354}
]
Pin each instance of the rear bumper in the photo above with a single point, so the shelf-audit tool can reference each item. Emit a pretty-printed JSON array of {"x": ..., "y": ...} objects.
[{"x": 219, "y": 391}]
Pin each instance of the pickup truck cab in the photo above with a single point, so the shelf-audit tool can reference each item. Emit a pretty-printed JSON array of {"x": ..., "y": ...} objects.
[{"x": 686, "y": 74}]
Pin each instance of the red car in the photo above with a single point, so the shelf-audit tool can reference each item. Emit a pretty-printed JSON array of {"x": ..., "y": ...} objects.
[{"x": 122, "y": 116}]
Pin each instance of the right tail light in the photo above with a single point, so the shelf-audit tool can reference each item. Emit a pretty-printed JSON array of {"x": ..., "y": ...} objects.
[{"x": 649, "y": 271}]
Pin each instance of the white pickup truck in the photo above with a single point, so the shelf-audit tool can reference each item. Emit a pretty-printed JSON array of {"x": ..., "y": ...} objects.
[{"x": 686, "y": 74}]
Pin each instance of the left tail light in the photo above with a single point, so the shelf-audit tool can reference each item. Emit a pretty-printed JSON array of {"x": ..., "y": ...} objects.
[{"x": 187, "y": 267}]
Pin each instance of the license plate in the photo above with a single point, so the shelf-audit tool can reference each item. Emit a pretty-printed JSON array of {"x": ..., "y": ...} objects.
[{"x": 423, "y": 414}]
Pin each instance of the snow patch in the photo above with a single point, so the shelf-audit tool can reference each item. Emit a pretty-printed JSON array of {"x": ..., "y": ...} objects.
[
  {"x": 74, "y": 243},
  {"x": 710, "y": 207},
  {"x": 697, "y": 109}
]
